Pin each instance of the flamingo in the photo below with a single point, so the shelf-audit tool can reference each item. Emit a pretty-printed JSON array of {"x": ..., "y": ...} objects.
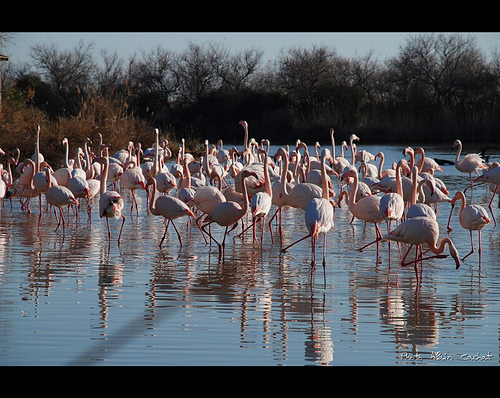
[
  {"x": 133, "y": 179},
  {"x": 278, "y": 188},
  {"x": 59, "y": 196},
  {"x": 79, "y": 186},
  {"x": 470, "y": 163},
  {"x": 426, "y": 163},
  {"x": 228, "y": 213},
  {"x": 165, "y": 181},
  {"x": 492, "y": 176},
  {"x": 301, "y": 194},
  {"x": 339, "y": 163},
  {"x": 212, "y": 166},
  {"x": 419, "y": 230},
  {"x": 366, "y": 209},
  {"x": 261, "y": 202},
  {"x": 471, "y": 217},
  {"x": 63, "y": 174},
  {"x": 318, "y": 216},
  {"x": 420, "y": 208},
  {"x": 392, "y": 203},
  {"x": 170, "y": 208},
  {"x": 110, "y": 202}
]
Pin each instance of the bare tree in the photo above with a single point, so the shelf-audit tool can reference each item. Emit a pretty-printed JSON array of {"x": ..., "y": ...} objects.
[
  {"x": 235, "y": 71},
  {"x": 366, "y": 73},
  {"x": 196, "y": 73},
  {"x": 301, "y": 71},
  {"x": 110, "y": 78},
  {"x": 441, "y": 62},
  {"x": 66, "y": 70},
  {"x": 156, "y": 74}
]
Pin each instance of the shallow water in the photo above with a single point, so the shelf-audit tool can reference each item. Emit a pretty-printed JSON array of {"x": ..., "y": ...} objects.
[{"x": 73, "y": 298}]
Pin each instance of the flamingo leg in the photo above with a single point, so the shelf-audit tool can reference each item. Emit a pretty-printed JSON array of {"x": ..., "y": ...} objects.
[
  {"x": 378, "y": 238},
  {"x": 178, "y": 234},
  {"x": 278, "y": 210},
  {"x": 489, "y": 206},
  {"x": 210, "y": 235},
  {"x": 313, "y": 254},
  {"x": 297, "y": 241},
  {"x": 165, "y": 232},
  {"x": 471, "y": 244},
  {"x": 121, "y": 229}
]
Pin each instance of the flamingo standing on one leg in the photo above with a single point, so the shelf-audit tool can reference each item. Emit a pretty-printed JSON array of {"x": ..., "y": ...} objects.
[
  {"x": 470, "y": 163},
  {"x": 471, "y": 217},
  {"x": 110, "y": 202},
  {"x": 419, "y": 230},
  {"x": 228, "y": 213}
]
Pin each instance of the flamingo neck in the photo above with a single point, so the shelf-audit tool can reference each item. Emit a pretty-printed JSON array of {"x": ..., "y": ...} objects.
[
  {"x": 152, "y": 201},
  {"x": 351, "y": 198},
  {"x": 267, "y": 180},
  {"x": 459, "y": 151},
  {"x": 104, "y": 173},
  {"x": 333, "y": 143},
  {"x": 324, "y": 179},
  {"x": 381, "y": 164},
  {"x": 284, "y": 171},
  {"x": 399, "y": 183}
]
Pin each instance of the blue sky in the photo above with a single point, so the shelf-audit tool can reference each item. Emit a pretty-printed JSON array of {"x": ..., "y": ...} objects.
[{"x": 346, "y": 44}]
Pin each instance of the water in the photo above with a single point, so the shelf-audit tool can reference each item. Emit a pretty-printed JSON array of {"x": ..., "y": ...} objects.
[{"x": 70, "y": 298}]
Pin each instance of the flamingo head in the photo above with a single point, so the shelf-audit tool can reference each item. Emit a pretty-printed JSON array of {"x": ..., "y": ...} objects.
[
  {"x": 454, "y": 254},
  {"x": 456, "y": 143}
]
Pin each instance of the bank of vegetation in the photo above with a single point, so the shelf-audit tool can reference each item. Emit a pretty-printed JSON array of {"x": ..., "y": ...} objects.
[{"x": 438, "y": 88}]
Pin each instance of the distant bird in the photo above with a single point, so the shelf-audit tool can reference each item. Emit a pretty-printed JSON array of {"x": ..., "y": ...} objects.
[
  {"x": 471, "y": 217},
  {"x": 110, "y": 202},
  {"x": 470, "y": 163},
  {"x": 419, "y": 230}
]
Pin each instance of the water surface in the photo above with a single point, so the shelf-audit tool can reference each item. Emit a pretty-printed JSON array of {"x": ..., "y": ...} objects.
[{"x": 73, "y": 298}]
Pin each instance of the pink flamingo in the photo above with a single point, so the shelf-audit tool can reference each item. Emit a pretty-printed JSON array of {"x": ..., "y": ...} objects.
[
  {"x": 261, "y": 202},
  {"x": 492, "y": 176},
  {"x": 170, "y": 208},
  {"x": 110, "y": 202},
  {"x": 59, "y": 196},
  {"x": 228, "y": 213},
  {"x": 366, "y": 208},
  {"x": 471, "y": 217},
  {"x": 419, "y": 230},
  {"x": 301, "y": 194},
  {"x": 469, "y": 164},
  {"x": 318, "y": 216},
  {"x": 392, "y": 203},
  {"x": 280, "y": 186}
]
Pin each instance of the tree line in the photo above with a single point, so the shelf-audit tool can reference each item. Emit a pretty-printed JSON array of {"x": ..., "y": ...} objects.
[{"x": 438, "y": 87}]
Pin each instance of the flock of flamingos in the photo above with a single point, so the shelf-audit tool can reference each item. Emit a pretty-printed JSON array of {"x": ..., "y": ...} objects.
[{"x": 224, "y": 186}]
